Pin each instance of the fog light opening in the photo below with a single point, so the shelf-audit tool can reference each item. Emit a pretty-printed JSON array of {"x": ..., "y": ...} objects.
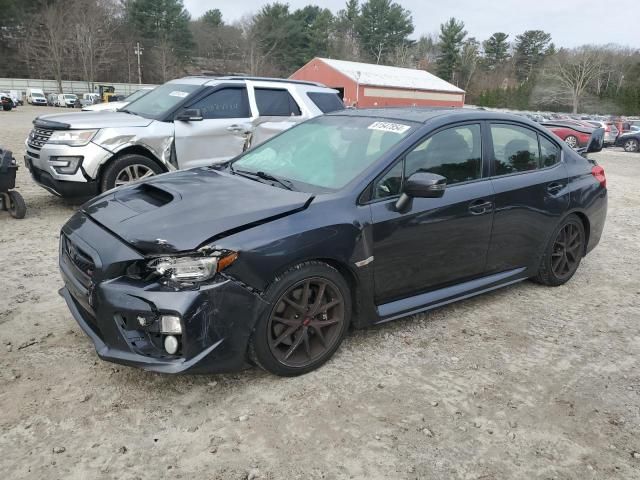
[
  {"x": 171, "y": 344},
  {"x": 170, "y": 324}
]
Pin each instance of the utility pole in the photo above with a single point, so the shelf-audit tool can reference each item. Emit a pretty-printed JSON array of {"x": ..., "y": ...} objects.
[{"x": 138, "y": 51}]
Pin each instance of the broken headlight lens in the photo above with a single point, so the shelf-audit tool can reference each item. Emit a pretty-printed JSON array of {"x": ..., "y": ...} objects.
[{"x": 192, "y": 268}]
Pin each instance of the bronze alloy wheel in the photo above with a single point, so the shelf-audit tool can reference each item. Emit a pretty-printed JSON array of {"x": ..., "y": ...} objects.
[
  {"x": 306, "y": 322},
  {"x": 567, "y": 251}
]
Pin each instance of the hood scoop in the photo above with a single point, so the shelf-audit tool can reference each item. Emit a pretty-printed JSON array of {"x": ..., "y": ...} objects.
[{"x": 144, "y": 198}]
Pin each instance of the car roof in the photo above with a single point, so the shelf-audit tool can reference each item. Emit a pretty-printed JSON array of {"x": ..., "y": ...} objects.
[{"x": 425, "y": 114}]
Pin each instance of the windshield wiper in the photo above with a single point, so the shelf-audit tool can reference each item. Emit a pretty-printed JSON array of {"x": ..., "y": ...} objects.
[{"x": 266, "y": 176}]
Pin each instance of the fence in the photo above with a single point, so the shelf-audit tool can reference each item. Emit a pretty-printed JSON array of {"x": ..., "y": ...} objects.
[{"x": 68, "y": 86}]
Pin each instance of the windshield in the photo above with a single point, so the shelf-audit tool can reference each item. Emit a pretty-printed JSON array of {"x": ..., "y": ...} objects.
[
  {"x": 137, "y": 94},
  {"x": 37, "y": 95},
  {"x": 70, "y": 97},
  {"x": 326, "y": 152},
  {"x": 158, "y": 102}
]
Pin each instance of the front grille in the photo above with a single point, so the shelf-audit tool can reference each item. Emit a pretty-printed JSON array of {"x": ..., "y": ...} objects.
[
  {"x": 38, "y": 137},
  {"x": 80, "y": 260}
]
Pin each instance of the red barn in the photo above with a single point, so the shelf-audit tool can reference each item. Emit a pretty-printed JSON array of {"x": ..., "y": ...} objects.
[{"x": 368, "y": 85}]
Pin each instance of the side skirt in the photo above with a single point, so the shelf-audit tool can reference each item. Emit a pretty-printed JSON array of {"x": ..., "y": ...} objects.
[{"x": 437, "y": 298}]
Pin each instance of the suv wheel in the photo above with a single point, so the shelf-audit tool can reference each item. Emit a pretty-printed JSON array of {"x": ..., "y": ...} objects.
[
  {"x": 309, "y": 316},
  {"x": 127, "y": 169},
  {"x": 563, "y": 254}
]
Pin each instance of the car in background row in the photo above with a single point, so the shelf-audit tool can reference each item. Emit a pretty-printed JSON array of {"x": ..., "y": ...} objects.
[
  {"x": 574, "y": 133},
  {"x": 113, "y": 106},
  {"x": 67, "y": 100},
  {"x": 610, "y": 130},
  {"x": 6, "y": 102},
  {"x": 35, "y": 96},
  {"x": 189, "y": 122},
  {"x": 629, "y": 141},
  {"x": 354, "y": 218}
]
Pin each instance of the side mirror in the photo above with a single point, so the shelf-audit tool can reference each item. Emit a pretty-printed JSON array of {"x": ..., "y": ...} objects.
[
  {"x": 190, "y": 115},
  {"x": 421, "y": 185}
]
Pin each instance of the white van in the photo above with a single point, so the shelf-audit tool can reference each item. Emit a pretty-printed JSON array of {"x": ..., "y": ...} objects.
[
  {"x": 35, "y": 96},
  {"x": 66, "y": 100},
  {"x": 16, "y": 96}
]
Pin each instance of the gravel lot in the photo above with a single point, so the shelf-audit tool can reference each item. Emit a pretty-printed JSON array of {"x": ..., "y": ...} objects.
[{"x": 527, "y": 382}]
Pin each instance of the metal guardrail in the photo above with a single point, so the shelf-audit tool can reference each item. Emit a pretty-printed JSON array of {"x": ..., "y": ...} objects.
[{"x": 68, "y": 86}]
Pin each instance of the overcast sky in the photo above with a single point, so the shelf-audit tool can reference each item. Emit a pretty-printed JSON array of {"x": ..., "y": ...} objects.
[{"x": 570, "y": 22}]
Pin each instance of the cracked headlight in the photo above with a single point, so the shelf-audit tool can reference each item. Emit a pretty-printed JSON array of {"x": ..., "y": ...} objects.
[
  {"x": 192, "y": 269},
  {"x": 73, "y": 138}
]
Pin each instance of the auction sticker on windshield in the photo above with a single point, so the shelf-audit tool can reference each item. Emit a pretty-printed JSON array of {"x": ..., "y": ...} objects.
[
  {"x": 389, "y": 127},
  {"x": 178, "y": 93}
]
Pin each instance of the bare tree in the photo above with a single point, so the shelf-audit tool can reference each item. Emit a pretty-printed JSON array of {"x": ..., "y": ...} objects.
[
  {"x": 92, "y": 35},
  {"x": 572, "y": 71},
  {"x": 48, "y": 41}
]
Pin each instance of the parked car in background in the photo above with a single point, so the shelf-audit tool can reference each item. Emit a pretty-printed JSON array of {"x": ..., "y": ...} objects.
[
  {"x": 16, "y": 96},
  {"x": 52, "y": 99},
  {"x": 67, "y": 100},
  {"x": 6, "y": 101},
  {"x": 35, "y": 96},
  {"x": 574, "y": 134},
  {"x": 14, "y": 102},
  {"x": 184, "y": 123},
  {"x": 354, "y": 218},
  {"x": 630, "y": 141},
  {"x": 610, "y": 130},
  {"x": 113, "y": 106}
]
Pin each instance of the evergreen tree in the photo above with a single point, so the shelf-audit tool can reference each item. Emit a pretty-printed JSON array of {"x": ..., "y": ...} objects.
[
  {"x": 452, "y": 35},
  {"x": 496, "y": 50},
  {"x": 382, "y": 27},
  {"x": 530, "y": 50},
  {"x": 212, "y": 18}
]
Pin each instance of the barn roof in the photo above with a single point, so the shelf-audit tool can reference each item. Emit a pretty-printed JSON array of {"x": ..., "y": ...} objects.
[{"x": 385, "y": 76}]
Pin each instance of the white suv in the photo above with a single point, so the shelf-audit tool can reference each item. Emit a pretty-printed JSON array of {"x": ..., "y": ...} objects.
[{"x": 190, "y": 122}]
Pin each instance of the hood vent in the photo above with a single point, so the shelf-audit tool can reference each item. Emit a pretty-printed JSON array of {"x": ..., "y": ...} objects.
[{"x": 144, "y": 197}]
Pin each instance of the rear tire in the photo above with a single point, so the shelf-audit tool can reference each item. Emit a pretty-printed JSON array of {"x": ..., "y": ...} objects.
[
  {"x": 126, "y": 169},
  {"x": 309, "y": 316},
  {"x": 563, "y": 253},
  {"x": 17, "y": 208},
  {"x": 572, "y": 141}
]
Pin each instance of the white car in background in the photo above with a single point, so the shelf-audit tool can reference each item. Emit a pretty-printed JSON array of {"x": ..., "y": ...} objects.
[{"x": 114, "y": 106}]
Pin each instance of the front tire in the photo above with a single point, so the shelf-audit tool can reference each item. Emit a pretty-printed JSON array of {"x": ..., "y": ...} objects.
[
  {"x": 631, "y": 145},
  {"x": 563, "y": 253},
  {"x": 308, "y": 319},
  {"x": 127, "y": 169}
]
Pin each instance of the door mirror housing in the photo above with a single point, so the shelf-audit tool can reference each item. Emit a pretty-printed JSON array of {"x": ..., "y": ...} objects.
[
  {"x": 421, "y": 185},
  {"x": 190, "y": 115}
]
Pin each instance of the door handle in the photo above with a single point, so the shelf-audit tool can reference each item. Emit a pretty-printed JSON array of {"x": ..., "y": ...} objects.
[
  {"x": 479, "y": 207},
  {"x": 554, "y": 187}
]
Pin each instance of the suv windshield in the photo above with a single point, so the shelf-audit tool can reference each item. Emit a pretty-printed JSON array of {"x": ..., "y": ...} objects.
[
  {"x": 325, "y": 153},
  {"x": 157, "y": 103}
]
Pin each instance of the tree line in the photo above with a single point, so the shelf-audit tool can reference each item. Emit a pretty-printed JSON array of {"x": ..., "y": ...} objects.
[{"x": 93, "y": 40}]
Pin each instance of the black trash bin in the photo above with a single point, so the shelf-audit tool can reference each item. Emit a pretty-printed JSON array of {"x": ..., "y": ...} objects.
[{"x": 9, "y": 198}]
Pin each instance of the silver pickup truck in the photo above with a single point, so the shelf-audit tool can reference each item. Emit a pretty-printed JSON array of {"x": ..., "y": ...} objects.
[{"x": 184, "y": 123}]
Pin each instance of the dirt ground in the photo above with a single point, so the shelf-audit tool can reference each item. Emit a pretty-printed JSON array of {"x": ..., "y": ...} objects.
[{"x": 528, "y": 382}]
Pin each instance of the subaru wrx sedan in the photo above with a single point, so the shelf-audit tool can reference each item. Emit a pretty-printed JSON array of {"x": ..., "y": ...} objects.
[{"x": 347, "y": 220}]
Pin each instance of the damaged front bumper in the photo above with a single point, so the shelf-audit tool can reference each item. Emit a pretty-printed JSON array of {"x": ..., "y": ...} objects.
[{"x": 121, "y": 315}]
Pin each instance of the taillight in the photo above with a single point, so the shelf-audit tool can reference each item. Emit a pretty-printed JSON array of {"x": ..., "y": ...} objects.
[{"x": 598, "y": 174}]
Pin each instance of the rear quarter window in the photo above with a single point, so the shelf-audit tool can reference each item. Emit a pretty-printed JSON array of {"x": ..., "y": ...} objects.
[
  {"x": 326, "y": 102},
  {"x": 274, "y": 102}
]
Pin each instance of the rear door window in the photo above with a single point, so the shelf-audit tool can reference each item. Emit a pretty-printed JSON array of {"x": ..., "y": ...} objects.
[
  {"x": 549, "y": 152},
  {"x": 326, "y": 102},
  {"x": 515, "y": 149},
  {"x": 275, "y": 102},
  {"x": 224, "y": 103}
]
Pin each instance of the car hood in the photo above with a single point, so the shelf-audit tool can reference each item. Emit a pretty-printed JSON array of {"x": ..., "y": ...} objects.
[
  {"x": 64, "y": 121},
  {"x": 182, "y": 211},
  {"x": 105, "y": 107}
]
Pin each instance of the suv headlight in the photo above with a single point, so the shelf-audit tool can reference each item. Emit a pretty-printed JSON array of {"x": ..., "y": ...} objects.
[
  {"x": 74, "y": 138},
  {"x": 192, "y": 269}
]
